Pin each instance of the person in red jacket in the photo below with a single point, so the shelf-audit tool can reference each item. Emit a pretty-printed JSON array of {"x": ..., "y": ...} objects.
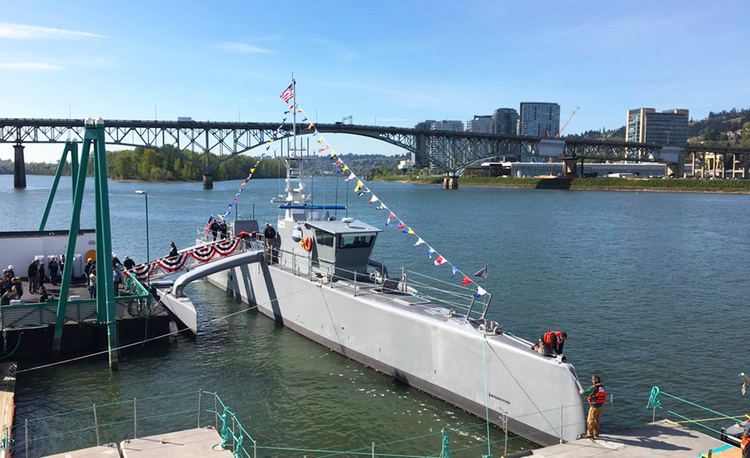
[
  {"x": 553, "y": 342},
  {"x": 596, "y": 396}
]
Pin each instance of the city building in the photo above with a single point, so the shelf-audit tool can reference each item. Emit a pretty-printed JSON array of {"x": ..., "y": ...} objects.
[
  {"x": 505, "y": 121},
  {"x": 480, "y": 124},
  {"x": 539, "y": 119},
  {"x": 450, "y": 126},
  {"x": 666, "y": 128}
]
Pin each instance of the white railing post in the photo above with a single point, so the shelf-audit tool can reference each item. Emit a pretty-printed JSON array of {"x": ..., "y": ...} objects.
[
  {"x": 96, "y": 426},
  {"x": 200, "y": 392},
  {"x": 135, "y": 418},
  {"x": 26, "y": 436}
]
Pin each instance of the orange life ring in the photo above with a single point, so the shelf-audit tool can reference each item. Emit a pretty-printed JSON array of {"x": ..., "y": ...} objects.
[{"x": 307, "y": 243}]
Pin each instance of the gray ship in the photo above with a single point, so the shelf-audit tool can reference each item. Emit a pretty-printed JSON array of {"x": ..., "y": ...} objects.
[{"x": 318, "y": 279}]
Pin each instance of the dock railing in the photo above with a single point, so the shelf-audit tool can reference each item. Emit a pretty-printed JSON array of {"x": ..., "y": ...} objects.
[
  {"x": 690, "y": 413},
  {"x": 114, "y": 422},
  {"x": 134, "y": 300}
]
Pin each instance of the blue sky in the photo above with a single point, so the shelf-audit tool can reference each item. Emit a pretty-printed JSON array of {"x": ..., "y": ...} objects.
[{"x": 390, "y": 62}]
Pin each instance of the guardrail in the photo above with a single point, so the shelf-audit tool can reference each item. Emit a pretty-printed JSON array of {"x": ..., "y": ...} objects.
[
  {"x": 114, "y": 422},
  {"x": 137, "y": 303}
]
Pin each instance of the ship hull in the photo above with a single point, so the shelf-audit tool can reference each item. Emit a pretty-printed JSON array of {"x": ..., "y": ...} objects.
[{"x": 422, "y": 346}]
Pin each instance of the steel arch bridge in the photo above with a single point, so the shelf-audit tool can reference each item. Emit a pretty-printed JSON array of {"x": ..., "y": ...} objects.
[{"x": 451, "y": 152}]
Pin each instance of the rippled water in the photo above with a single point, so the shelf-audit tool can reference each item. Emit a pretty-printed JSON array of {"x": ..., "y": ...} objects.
[{"x": 651, "y": 288}]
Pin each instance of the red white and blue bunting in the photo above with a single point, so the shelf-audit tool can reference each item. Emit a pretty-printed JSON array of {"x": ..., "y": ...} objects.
[
  {"x": 392, "y": 220},
  {"x": 203, "y": 253}
]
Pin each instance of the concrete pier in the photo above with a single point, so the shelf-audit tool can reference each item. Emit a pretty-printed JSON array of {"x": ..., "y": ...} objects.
[
  {"x": 660, "y": 439},
  {"x": 208, "y": 181},
  {"x": 19, "y": 167}
]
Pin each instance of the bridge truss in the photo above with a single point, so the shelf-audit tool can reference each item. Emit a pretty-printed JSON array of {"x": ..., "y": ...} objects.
[{"x": 451, "y": 152}]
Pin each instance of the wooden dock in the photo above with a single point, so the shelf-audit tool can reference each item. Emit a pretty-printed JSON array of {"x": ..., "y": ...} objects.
[{"x": 660, "y": 439}]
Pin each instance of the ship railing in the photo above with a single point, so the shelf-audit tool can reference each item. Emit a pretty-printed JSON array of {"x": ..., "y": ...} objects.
[
  {"x": 111, "y": 423},
  {"x": 462, "y": 300},
  {"x": 132, "y": 301}
]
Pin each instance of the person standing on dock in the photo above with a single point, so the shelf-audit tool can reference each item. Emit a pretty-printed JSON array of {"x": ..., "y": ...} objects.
[
  {"x": 53, "y": 267},
  {"x": 596, "y": 395},
  {"x": 33, "y": 274}
]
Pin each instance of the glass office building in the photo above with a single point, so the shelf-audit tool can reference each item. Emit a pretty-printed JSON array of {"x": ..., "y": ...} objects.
[
  {"x": 539, "y": 119},
  {"x": 666, "y": 128}
]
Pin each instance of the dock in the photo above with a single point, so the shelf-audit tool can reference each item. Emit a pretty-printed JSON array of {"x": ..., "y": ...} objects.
[
  {"x": 663, "y": 438},
  {"x": 189, "y": 443}
]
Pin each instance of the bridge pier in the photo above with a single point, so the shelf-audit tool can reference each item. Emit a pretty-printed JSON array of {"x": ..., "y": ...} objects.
[
  {"x": 208, "y": 181},
  {"x": 19, "y": 167},
  {"x": 675, "y": 169},
  {"x": 569, "y": 166},
  {"x": 450, "y": 181}
]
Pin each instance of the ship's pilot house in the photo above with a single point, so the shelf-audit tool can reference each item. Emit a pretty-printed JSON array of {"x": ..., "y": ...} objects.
[{"x": 342, "y": 247}]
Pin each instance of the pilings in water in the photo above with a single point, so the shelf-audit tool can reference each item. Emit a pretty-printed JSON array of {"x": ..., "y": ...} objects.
[
  {"x": 19, "y": 167},
  {"x": 208, "y": 181},
  {"x": 450, "y": 181}
]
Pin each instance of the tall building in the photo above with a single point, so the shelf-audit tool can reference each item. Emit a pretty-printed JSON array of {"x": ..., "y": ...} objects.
[
  {"x": 480, "y": 124},
  {"x": 539, "y": 119},
  {"x": 666, "y": 128},
  {"x": 505, "y": 121}
]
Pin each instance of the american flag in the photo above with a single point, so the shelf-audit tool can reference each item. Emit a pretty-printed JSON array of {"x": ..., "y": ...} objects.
[
  {"x": 481, "y": 272},
  {"x": 288, "y": 93}
]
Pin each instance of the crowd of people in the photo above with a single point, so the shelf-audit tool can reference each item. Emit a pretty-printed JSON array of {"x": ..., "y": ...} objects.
[{"x": 40, "y": 274}]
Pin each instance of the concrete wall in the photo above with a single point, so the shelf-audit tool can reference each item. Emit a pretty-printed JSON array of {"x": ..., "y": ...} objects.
[{"x": 20, "y": 248}]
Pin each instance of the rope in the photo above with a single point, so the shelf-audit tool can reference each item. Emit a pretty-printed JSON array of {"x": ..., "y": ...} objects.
[{"x": 654, "y": 399}]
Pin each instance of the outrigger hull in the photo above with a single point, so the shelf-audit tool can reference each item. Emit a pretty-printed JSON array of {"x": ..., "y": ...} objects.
[{"x": 423, "y": 345}]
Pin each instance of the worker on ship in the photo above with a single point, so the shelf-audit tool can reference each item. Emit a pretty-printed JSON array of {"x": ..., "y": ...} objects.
[
  {"x": 553, "y": 342},
  {"x": 269, "y": 235},
  {"x": 596, "y": 395}
]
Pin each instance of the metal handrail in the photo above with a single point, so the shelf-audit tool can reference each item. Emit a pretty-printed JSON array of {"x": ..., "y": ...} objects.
[
  {"x": 362, "y": 282},
  {"x": 234, "y": 437}
]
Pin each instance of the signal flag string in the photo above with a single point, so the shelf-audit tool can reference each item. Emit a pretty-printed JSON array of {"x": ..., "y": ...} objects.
[{"x": 361, "y": 189}]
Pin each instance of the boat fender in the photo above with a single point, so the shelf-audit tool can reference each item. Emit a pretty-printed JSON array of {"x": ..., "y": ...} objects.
[{"x": 307, "y": 243}]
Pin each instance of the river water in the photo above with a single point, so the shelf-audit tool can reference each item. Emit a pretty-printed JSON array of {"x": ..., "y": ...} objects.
[{"x": 651, "y": 288}]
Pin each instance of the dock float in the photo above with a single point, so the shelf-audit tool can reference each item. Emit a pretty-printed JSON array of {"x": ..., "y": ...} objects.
[
  {"x": 663, "y": 438},
  {"x": 190, "y": 443}
]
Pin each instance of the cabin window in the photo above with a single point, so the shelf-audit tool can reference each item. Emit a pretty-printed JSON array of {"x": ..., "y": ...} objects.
[
  {"x": 356, "y": 240},
  {"x": 324, "y": 238}
]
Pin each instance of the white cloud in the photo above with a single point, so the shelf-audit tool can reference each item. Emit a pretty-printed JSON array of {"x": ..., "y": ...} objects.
[
  {"x": 241, "y": 48},
  {"x": 32, "y": 32},
  {"x": 29, "y": 66}
]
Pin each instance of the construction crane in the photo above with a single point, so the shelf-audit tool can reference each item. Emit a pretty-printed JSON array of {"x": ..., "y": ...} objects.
[
  {"x": 347, "y": 118},
  {"x": 567, "y": 121}
]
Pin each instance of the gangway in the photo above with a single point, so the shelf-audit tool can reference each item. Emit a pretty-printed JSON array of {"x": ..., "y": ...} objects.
[{"x": 171, "y": 293}]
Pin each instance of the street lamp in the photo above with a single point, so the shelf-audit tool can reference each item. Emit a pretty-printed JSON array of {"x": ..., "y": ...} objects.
[{"x": 148, "y": 253}]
